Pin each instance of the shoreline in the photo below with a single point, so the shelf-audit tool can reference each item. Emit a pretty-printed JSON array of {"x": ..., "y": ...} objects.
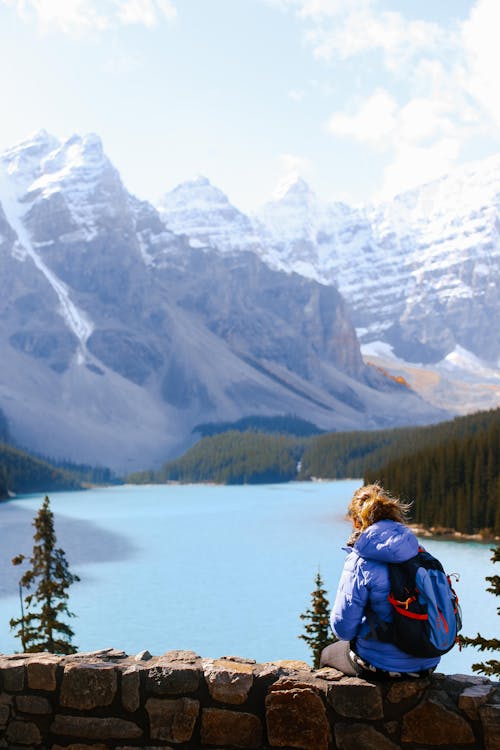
[{"x": 451, "y": 535}]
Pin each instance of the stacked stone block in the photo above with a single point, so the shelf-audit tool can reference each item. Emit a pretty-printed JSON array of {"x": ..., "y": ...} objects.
[{"x": 107, "y": 699}]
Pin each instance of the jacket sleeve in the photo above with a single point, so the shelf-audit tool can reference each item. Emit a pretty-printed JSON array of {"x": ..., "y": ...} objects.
[{"x": 350, "y": 601}]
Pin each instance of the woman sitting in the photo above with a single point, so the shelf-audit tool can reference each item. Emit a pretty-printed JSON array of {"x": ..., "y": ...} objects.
[{"x": 379, "y": 537}]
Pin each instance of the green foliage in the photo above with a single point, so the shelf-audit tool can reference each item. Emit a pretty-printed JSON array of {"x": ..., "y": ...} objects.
[
  {"x": 450, "y": 469},
  {"x": 492, "y": 666},
  {"x": 86, "y": 473},
  {"x": 148, "y": 476},
  {"x": 280, "y": 425},
  {"x": 352, "y": 454},
  {"x": 454, "y": 482},
  {"x": 318, "y": 634},
  {"x": 232, "y": 458},
  {"x": 40, "y": 626},
  {"x": 20, "y": 472},
  {"x": 339, "y": 455}
]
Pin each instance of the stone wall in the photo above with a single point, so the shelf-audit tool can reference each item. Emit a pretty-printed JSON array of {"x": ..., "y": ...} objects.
[{"x": 107, "y": 699}]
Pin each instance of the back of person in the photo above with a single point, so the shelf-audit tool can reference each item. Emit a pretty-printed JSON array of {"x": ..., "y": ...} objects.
[{"x": 380, "y": 537}]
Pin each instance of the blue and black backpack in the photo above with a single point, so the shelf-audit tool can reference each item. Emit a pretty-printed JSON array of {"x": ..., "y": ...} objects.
[{"x": 426, "y": 612}]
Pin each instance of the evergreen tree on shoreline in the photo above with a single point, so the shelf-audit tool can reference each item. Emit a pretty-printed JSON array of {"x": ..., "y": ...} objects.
[
  {"x": 318, "y": 634},
  {"x": 40, "y": 626},
  {"x": 492, "y": 666}
]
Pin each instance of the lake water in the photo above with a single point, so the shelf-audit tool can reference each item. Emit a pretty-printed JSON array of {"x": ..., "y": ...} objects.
[{"x": 217, "y": 570}]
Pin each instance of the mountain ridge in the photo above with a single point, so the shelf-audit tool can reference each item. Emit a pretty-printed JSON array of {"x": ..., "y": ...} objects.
[
  {"x": 419, "y": 273},
  {"x": 122, "y": 334}
]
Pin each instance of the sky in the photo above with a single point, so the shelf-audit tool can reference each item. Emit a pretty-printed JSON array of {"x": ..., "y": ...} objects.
[{"x": 362, "y": 98}]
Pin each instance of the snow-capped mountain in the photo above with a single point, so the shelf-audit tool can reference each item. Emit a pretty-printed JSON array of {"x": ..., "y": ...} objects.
[
  {"x": 121, "y": 330},
  {"x": 204, "y": 213},
  {"x": 420, "y": 273}
]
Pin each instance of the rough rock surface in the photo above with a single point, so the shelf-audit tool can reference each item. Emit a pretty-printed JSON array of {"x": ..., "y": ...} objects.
[{"x": 231, "y": 702}]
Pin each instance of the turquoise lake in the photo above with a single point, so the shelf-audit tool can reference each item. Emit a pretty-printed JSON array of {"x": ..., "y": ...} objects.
[{"x": 217, "y": 570}]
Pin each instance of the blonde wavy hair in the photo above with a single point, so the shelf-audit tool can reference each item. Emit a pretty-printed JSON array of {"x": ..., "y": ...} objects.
[{"x": 372, "y": 503}]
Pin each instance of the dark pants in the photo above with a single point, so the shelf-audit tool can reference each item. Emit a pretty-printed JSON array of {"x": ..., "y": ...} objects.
[{"x": 337, "y": 655}]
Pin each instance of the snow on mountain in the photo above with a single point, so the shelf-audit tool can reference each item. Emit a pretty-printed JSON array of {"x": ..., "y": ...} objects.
[
  {"x": 123, "y": 331},
  {"x": 420, "y": 272},
  {"x": 294, "y": 213},
  {"x": 75, "y": 168},
  {"x": 291, "y": 227},
  {"x": 205, "y": 214},
  {"x": 21, "y": 172},
  {"x": 150, "y": 321}
]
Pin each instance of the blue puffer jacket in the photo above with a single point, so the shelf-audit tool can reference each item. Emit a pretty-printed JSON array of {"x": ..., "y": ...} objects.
[{"x": 365, "y": 580}]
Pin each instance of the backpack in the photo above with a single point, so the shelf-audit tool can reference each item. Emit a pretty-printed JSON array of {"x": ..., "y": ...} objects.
[{"x": 426, "y": 612}]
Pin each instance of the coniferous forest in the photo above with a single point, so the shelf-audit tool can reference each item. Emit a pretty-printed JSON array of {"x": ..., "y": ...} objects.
[
  {"x": 338, "y": 455},
  {"x": 232, "y": 458},
  {"x": 20, "y": 472},
  {"x": 450, "y": 471},
  {"x": 454, "y": 484}
]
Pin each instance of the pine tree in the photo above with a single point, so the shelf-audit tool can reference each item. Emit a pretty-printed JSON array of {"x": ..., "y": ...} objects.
[
  {"x": 492, "y": 666},
  {"x": 318, "y": 634},
  {"x": 41, "y": 628}
]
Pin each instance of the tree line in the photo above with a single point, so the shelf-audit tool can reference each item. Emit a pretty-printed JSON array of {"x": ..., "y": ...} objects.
[
  {"x": 287, "y": 424},
  {"x": 20, "y": 473},
  {"x": 449, "y": 470},
  {"x": 341, "y": 455},
  {"x": 454, "y": 484},
  {"x": 232, "y": 458}
]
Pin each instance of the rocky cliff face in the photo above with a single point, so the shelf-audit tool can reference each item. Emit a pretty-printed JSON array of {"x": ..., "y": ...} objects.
[
  {"x": 420, "y": 273},
  {"x": 119, "y": 335}
]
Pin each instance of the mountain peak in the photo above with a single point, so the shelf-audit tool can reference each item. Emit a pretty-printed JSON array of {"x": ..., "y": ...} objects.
[
  {"x": 199, "y": 180},
  {"x": 197, "y": 193},
  {"x": 25, "y": 155},
  {"x": 292, "y": 186},
  {"x": 85, "y": 149},
  {"x": 205, "y": 213}
]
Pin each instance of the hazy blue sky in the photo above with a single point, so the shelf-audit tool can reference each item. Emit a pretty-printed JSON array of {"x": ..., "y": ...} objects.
[{"x": 363, "y": 98}]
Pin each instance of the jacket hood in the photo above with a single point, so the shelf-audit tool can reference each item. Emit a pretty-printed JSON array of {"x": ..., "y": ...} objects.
[{"x": 387, "y": 541}]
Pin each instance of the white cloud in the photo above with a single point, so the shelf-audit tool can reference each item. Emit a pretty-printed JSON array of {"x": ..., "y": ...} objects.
[
  {"x": 63, "y": 15},
  {"x": 438, "y": 85},
  {"x": 167, "y": 8},
  {"x": 374, "y": 122},
  {"x": 80, "y": 16},
  {"x": 414, "y": 165},
  {"x": 422, "y": 137},
  {"x": 145, "y": 12},
  {"x": 398, "y": 39},
  {"x": 345, "y": 28},
  {"x": 423, "y": 119},
  {"x": 318, "y": 9},
  {"x": 327, "y": 8},
  {"x": 482, "y": 56},
  {"x": 142, "y": 12},
  {"x": 296, "y": 95},
  {"x": 293, "y": 165}
]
